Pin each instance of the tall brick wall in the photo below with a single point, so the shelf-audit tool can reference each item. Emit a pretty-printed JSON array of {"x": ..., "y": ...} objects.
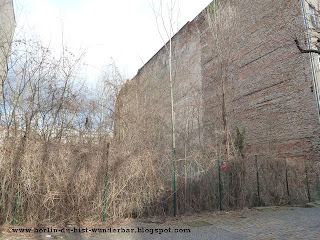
[
  {"x": 268, "y": 88},
  {"x": 143, "y": 111}
]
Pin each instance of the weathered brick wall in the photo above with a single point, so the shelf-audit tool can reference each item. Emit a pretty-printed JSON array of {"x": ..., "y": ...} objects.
[
  {"x": 143, "y": 112},
  {"x": 268, "y": 88},
  {"x": 269, "y": 91},
  {"x": 7, "y": 25}
]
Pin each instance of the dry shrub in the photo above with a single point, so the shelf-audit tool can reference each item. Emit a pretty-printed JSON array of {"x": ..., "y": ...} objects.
[
  {"x": 135, "y": 183},
  {"x": 239, "y": 182},
  {"x": 64, "y": 183},
  {"x": 58, "y": 182}
]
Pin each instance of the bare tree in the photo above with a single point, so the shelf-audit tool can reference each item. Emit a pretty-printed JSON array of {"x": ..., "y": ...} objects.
[
  {"x": 111, "y": 81},
  {"x": 40, "y": 95},
  {"x": 168, "y": 24},
  {"x": 223, "y": 19}
]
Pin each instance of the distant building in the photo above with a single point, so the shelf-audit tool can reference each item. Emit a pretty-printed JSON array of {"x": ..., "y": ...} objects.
[
  {"x": 310, "y": 11},
  {"x": 7, "y": 27}
]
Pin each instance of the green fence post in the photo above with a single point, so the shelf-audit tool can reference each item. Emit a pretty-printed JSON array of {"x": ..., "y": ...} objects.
[
  {"x": 104, "y": 214},
  {"x": 318, "y": 187},
  {"x": 105, "y": 197},
  {"x": 287, "y": 182},
  {"x": 174, "y": 184},
  {"x": 258, "y": 183},
  {"x": 318, "y": 192},
  {"x": 307, "y": 182},
  {"x": 20, "y": 150},
  {"x": 220, "y": 185},
  {"x": 213, "y": 189},
  {"x": 15, "y": 206}
]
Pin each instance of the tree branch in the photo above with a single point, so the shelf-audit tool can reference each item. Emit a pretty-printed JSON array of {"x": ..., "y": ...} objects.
[{"x": 305, "y": 50}]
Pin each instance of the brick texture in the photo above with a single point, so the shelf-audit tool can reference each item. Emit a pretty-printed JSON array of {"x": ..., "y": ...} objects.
[{"x": 268, "y": 89}]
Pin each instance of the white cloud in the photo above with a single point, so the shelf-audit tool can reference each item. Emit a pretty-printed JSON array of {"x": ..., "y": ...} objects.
[{"x": 123, "y": 29}]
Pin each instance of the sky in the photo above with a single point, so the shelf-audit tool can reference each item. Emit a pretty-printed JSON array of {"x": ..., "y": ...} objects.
[{"x": 124, "y": 30}]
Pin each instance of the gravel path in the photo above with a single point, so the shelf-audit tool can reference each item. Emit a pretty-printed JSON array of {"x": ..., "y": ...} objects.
[{"x": 262, "y": 223}]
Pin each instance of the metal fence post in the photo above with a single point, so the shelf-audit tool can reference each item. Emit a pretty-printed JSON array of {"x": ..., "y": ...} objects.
[
  {"x": 220, "y": 185},
  {"x": 258, "y": 183},
  {"x": 15, "y": 206},
  {"x": 104, "y": 215},
  {"x": 105, "y": 197},
  {"x": 287, "y": 182},
  {"x": 174, "y": 184},
  {"x": 307, "y": 182},
  {"x": 318, "y": 192}
]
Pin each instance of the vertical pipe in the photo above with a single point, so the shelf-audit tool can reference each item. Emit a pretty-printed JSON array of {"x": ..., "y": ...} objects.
[{"x": 258, "y": 183}]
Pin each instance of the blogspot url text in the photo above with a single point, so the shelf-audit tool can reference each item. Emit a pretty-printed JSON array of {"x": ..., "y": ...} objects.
[{"x": 102, "y": 230}]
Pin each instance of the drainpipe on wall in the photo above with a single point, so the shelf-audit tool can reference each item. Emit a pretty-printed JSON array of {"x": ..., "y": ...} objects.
[{"x": 314, "y": 75}]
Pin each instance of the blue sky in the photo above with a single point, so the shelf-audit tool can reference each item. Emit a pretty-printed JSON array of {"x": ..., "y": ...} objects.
[{"x": 125, "y": 30}]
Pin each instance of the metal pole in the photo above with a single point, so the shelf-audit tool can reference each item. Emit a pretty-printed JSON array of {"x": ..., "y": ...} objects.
[
  {"x": 15, "y": 207},
  {"x": 318, "y": 192},
  {"x": 21, "y": 150},
  {"x": 105, "y": 197},
  {"x": 318, "y": 188},
  {"x": 104, "y": 215},
  {"x": 185, "y": 185},
  {"x": 287, "y": 182},
  {"x": 174, "y": 184},
  {"x": 258, "y": 183},
  {"x": 185, "y": 166},
  {"x": 220, "y": 185},
  {"x": 307, "y": 182}
]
